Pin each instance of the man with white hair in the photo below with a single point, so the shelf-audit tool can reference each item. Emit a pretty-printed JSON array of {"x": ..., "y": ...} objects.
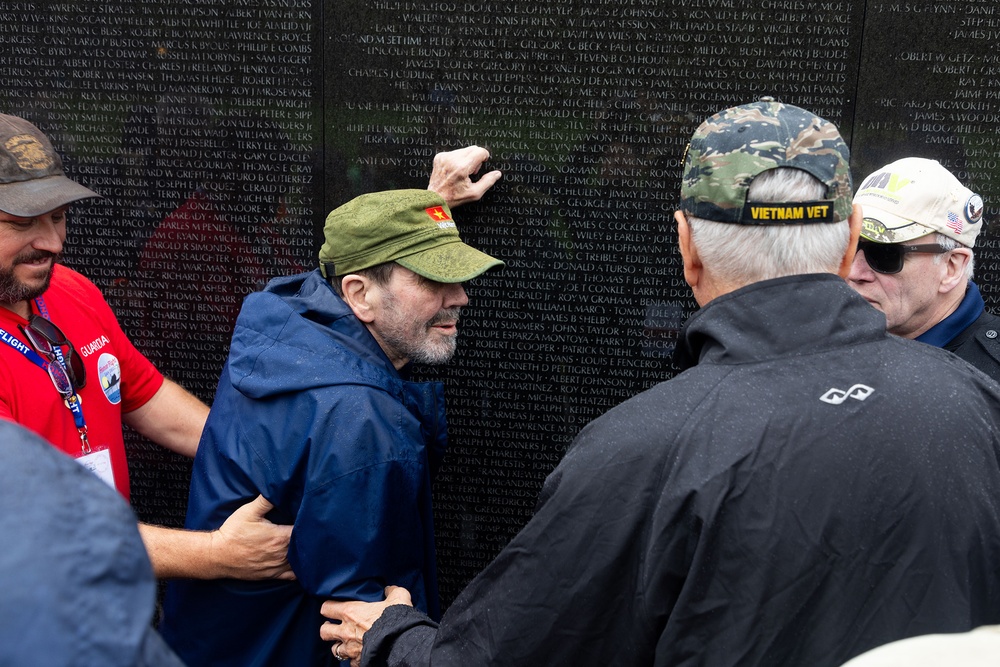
[
  {"x": 915, "y": 259},
  {"x": 808, "y": 488}
]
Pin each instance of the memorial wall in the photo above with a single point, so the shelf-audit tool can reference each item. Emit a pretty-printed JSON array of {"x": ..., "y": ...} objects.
[{"x": 221, "y": 132}]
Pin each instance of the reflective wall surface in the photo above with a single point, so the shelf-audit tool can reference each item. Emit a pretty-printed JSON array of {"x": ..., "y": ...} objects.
[{"x": 221, "y": 132}]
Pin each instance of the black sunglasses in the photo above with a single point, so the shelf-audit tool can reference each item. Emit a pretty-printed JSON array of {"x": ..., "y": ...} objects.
[
  {"x": 45, "y": 337},
  {"x": 888, "y": 257}
]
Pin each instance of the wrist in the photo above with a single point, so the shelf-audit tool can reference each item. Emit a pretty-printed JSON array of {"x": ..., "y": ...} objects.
[{"x": 215, "y": 563}]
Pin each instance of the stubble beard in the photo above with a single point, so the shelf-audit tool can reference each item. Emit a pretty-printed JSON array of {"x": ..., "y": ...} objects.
[
  {"x": 415, "y": 340},
  {"x": 14, "y": 291}
]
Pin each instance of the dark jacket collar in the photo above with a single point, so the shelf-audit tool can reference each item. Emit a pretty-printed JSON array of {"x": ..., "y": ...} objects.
[{"x": 786, "y": 316}]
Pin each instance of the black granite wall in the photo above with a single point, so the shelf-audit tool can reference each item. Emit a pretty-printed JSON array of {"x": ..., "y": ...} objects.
[{"x": 222, "y": 131}]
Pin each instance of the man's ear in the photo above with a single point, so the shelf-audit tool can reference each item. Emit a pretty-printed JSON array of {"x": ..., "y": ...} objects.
[
  {"x": 360, "y": 295},
  {"x": 693, "y": 268},
  {"x": 852, "y": 245},
  {"x": 955, "y": 265}
]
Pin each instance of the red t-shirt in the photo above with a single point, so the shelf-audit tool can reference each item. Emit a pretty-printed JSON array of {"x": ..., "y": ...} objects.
[{"x": 119, "y": 378}]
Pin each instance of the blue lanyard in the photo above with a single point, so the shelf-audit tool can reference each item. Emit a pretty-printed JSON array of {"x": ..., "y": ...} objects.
[
  {"x": 73, "y": 400},
  {"x": 44, "y": 312},
  {"x": 23, "y": 348}
]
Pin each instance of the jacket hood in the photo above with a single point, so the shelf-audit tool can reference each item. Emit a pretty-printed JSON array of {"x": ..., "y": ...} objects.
[{"x": 297, "y": 334}]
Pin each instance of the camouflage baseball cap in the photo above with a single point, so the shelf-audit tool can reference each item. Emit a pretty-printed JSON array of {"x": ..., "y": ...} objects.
[
  {"x": 734, "y": 146},
  {"x": 413, "y": 228}
]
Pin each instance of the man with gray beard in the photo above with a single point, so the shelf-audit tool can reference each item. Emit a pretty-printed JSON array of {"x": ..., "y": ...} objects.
[{"x": 314, "y": 411}]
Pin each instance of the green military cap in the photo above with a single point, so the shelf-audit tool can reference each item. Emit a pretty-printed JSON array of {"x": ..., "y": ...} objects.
[
  {"x": 413, "y": 228},
  {"x": 735, "y": 145}
]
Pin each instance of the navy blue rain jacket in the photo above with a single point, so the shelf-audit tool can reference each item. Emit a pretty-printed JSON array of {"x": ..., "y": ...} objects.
[{"x": 310, "y": 412}]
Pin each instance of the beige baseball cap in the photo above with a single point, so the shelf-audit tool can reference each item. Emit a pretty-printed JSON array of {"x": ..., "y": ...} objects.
[{"x": 914, "y": 197}]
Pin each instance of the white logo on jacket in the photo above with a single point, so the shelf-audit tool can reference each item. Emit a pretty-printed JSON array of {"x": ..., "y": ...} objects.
[{"x": 835, "y": 396}]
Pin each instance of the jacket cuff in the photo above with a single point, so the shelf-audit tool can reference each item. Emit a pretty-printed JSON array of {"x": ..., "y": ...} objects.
[{"x": 401, "y": 637}]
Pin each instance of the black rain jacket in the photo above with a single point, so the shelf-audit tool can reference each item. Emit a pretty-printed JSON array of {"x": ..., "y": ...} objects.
[{"x": 810, "y": 488}]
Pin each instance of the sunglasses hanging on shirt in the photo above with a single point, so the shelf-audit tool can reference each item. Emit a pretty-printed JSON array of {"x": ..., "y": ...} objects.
[{"x": 49, "y": 340}]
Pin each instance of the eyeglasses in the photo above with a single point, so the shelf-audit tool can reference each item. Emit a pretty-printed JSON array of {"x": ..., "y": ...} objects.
[
  {"x": 46, "y": 337},
  {"x": 888, "y": 257}
]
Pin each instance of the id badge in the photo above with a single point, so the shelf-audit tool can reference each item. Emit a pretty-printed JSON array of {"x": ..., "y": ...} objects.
[{"x": 98, "y": 462}]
